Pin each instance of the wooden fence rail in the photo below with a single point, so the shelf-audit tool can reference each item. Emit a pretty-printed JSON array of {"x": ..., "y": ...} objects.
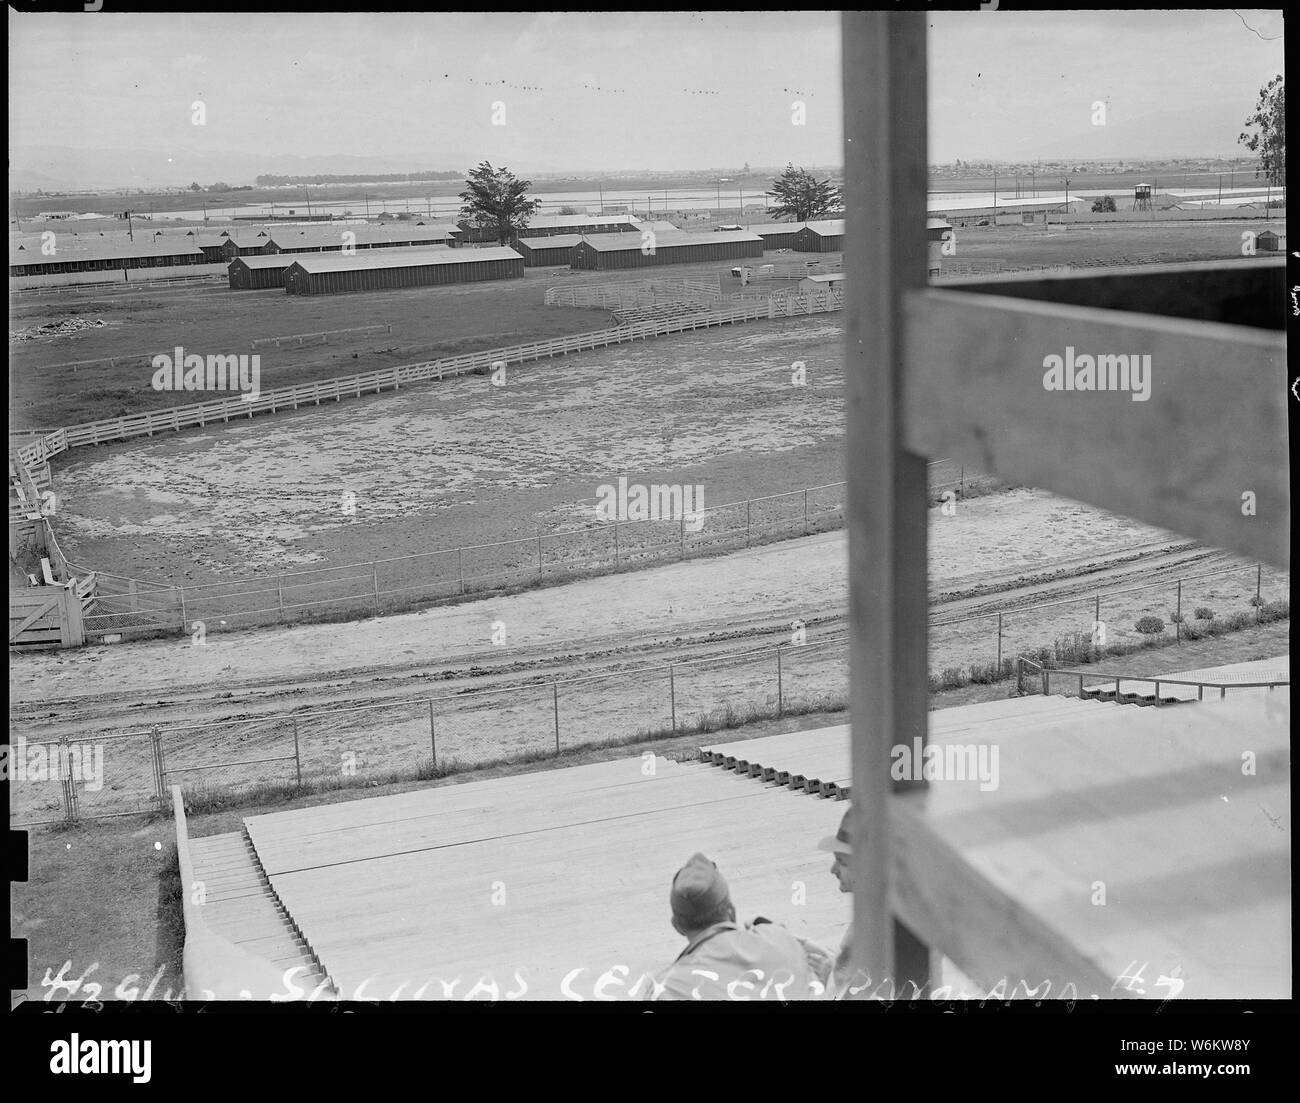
[{"x": 247, "y": 405}]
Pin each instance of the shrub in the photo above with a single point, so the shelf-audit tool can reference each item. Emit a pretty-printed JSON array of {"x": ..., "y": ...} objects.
[
  {"x": 1257, "y": 601},
  {"x": 1204, "y": 613},
  {"x": 1104, "y": 205},
  {"x": 1150, "y": 626},
  {"x": 953, "y": 677},
  {"x": 1177, "y": 618},
  {"x": 1275, "y": 610},
  {"x": 1235, "y": 621}
]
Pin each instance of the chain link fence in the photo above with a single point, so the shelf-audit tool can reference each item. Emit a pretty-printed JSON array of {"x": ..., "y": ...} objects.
[{"x": 237, "y": 760}]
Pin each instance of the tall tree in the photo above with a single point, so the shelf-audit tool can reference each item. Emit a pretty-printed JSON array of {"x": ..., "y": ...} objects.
[
  {"x": 801, "y": 196},
  {"x": 498, "y": 202},
  {"x": 1269, "y": 141}
]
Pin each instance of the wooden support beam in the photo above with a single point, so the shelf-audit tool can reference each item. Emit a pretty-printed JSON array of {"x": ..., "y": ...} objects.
[
  {"x": 1211, "y": 432},
  {"x": 884, "y": 73},
  {"x": 1240, "y": 292}
]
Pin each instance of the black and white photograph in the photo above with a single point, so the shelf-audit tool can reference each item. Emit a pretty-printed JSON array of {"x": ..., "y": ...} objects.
[{"x": 633, "y": 509}]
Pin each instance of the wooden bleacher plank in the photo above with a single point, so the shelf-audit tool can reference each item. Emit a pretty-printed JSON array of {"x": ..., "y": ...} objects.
[
  {"x": 585, "y": 892},
  {"x": 1080, "y": 803},
  {"x": 976, "y": 393},
  {"x": 340, "y": 832}
]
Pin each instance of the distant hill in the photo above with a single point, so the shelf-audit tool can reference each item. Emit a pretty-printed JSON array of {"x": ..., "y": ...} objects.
[{"x": 64, "y": 168}]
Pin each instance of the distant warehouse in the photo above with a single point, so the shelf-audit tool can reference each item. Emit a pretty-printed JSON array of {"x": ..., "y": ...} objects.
[
  {"x": 327, "y": 239},
  {"x": 386, "y": 269},
  {"x": 254, "y": 273},
  {"x": 780, "y": 236},
  {"x": 97, "y": 254},
  {"x": 538, "y": 252},
  {"x": 821, "y": 237},
  {"x": 625, "y": 250}
]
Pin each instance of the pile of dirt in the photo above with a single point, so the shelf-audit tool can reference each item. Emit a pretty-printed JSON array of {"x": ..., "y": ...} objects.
[{"x": 57, "y": 329}]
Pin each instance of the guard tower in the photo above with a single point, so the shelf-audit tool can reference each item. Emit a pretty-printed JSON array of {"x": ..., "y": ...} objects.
[{"x": 1141, "y": 197}]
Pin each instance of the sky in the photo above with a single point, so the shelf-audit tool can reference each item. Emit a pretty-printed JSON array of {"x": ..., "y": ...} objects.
[{"x": 609, "y": 91}]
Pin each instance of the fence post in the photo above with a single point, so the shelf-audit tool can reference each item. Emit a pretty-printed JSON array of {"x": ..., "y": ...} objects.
[
  {"x": 184, "y": 619},
  {"x": 672, "y": 697},
  {"x": 780, "y": 692},
  {"x": 1020, "y": 675},
  {"x": 279, "y": 591},
  {"x": 65, "y": 780},
  {"x": 1096, "y": 626},
  {"x": 1178, "y": 613},
  {"x": 160, "y": 774},
  {"x": 374, "y": 575},
  {"x": 555, "y": 701},
  {"x": 805, "y": 512},
  {"x": 747, "y": 505},
  {"x": 1259, "y": 577},
  {"x": 682, "y": 549},
  {"x": 999, "y": 645},
  {"x": 297, "y": 760},
  {"x": 616, "y": 545},
  {"x": 961, "y": 482},
  {"x": 539, "y": 553},
  {"x": 460, "y": 568},
  {"x": 433, "y": 736}
]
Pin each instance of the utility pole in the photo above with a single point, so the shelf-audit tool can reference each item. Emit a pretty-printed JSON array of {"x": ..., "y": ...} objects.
[
  {"x": 1066, "y": 214},
  {"x": 1220, "y": 190},
  {"x": 995, "y": 197}
]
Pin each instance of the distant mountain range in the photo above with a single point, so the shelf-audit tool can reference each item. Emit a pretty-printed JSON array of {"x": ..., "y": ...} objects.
[{"x": 61, "y": 168}]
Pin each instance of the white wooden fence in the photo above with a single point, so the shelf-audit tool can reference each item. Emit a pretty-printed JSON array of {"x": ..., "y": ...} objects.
[{"x": 353, "y": 386}]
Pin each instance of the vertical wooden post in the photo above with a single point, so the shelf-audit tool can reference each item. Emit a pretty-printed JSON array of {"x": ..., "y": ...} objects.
[
  {"x": 616, "y": 545},
  {"x": 672, "y": 697},
  {"x": 184, "y": 620},
  {"x": 1259, "y": 579},
  {"x": 374, "y": 577},
  {"x": 279, "y": 592},
  {"x": 555, "y": 701},
  {"x": 160, "y": 774},
  {"x": 999, "y": 644},
  {"x": 460, "y": 569},
  {"x": 682, "y": 547},
  {"x": 805, "y": 512},
  {"x": 1178, "y": 614},
  {"x": 780, "y": 695},
  {"x": 297, "y": 759},
  {"x": 747, "y": 505},
  {"x": 433, "y": 736},
  {"x": 884, "y": 75},
  {"x": 539, "y": 553}
]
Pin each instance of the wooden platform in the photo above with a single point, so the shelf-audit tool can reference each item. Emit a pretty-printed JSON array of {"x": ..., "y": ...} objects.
[
  {"x": 817, "y": 761},
  {"x": 518, "y": 882},
  {"x": 1118, "y": 840}
]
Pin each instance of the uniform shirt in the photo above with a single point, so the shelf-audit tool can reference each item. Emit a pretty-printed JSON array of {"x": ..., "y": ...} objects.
[{"x": 730, "y": 962}]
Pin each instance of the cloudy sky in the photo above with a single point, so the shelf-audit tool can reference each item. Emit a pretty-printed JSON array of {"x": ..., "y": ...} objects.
[{"x": 615, "y": 91}]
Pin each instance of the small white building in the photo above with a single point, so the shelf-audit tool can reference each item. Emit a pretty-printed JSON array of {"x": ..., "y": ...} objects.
[{"x": 827, "y": 282}]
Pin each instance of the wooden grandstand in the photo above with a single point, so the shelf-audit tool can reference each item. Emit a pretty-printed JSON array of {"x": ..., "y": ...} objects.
[{"x": 935, "y": 372}]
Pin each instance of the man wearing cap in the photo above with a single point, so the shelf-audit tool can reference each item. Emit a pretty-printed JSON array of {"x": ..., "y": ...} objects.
[
  {"x": 724, "y": 960},
  {"x": 841, "y": 845}
]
